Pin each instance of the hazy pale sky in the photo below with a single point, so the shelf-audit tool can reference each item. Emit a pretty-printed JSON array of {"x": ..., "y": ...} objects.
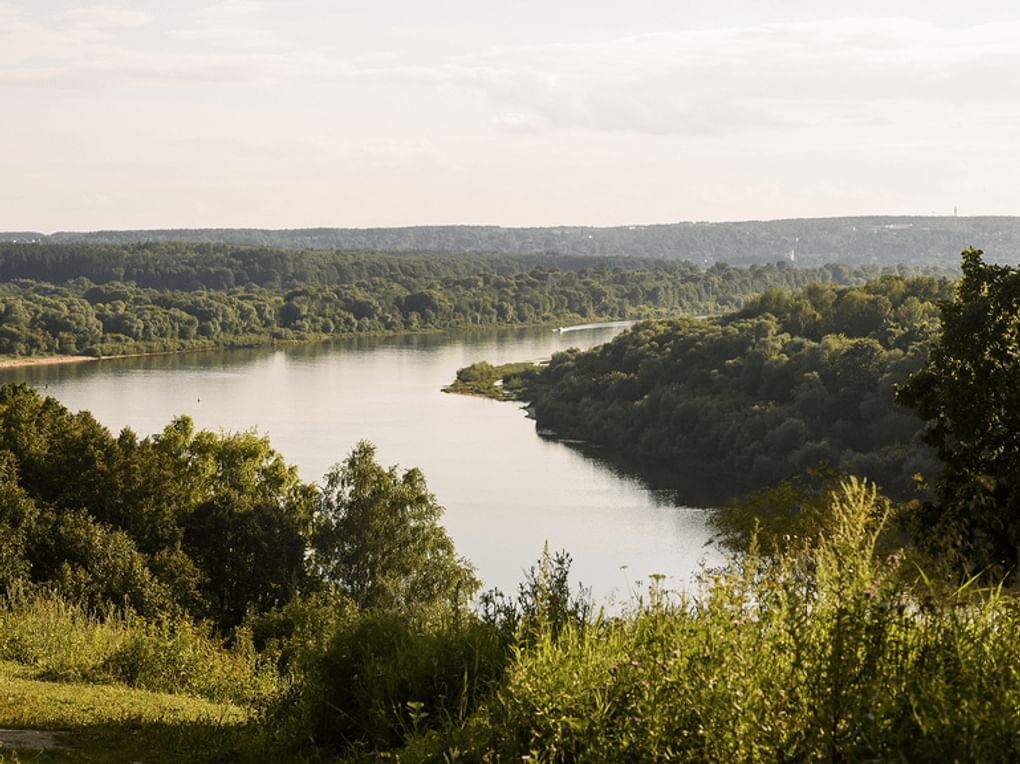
[{"x": 395, "y": 112}]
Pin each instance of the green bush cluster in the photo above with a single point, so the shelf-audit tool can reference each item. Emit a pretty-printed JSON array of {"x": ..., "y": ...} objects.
[{"x": 826, "y": 652}]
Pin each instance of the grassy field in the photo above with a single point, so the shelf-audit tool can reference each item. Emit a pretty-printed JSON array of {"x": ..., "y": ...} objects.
[{"x": 111, "y": 723}]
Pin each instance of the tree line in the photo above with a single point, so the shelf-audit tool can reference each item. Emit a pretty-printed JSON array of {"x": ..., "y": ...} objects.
[
  {"x": 920, "y": 240},
  {"x": 162, "y": 298}
]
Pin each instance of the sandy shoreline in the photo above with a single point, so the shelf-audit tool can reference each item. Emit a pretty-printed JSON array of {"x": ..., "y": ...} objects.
[{"x": 48, "y": 360}]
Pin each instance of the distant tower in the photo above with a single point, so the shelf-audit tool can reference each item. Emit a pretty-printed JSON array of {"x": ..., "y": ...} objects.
[{"x": 954, "y": 210}]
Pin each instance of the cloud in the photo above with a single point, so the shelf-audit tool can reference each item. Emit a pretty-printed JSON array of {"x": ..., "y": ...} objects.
[
  {"x": 105, "y": 17},
  {"x": 731, "y": 80},
  {"x": 227, "y": 38},
  {"x": 231, "y": 10},
  {"x": 699, "y": 83}
]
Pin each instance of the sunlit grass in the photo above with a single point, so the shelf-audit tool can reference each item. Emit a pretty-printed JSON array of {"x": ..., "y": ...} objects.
[{"x": 108, "y": 723}]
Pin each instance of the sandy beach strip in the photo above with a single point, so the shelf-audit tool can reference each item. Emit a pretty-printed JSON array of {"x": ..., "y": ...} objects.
[{"x": 45, "y": 360}]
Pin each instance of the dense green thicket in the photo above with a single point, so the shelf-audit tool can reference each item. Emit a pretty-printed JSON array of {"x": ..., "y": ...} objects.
[
  {"x": 790, "y": 381},
  {"x": 825, "y": 653},
  {"x": 969, "y": 393},
  {"x": 206, "y": 526},
  {"x": 67, "y": 642},
  {"x": 160, "y": 298}
]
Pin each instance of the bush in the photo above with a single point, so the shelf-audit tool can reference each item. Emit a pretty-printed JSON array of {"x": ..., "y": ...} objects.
[
  {"x": 68, "y": 643},
  {"x": 821, "y": 652},
  {"x": 385, "y": 676},
  {"x": 180, "y": 657}
]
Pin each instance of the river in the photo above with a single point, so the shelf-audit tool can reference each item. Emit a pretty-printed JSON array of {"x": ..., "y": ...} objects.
[{"x": 507, "y": 491}]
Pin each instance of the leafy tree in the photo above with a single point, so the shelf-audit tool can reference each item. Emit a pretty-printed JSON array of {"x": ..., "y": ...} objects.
[
  {"x": 252, "y": 555},
  {"x": 213, "y": 524},
  {"x": 969, "y": 394},
  {"x": 94, "y": 565},
  {"x": 18, "y": 518},
  {"x": 377, "y": 537}
]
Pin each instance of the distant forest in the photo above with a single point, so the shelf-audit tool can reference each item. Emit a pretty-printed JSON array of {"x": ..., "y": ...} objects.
[
  {"x": 163, "y": 297},
  {"x": 811, "y": 241}
]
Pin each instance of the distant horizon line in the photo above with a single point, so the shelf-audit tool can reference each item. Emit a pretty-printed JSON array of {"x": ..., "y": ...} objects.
[{"x": 68, "y": 231}]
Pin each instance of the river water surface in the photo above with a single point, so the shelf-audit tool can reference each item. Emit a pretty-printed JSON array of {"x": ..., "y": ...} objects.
[{"x": 506, "y": 490}]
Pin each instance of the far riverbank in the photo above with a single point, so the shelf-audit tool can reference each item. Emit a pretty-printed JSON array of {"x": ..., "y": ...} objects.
[{"x": 44, "y": 360}]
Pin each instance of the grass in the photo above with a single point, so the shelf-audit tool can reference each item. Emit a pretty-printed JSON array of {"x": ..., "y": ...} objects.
[
  {"x": 503, "y": 382},
  {"x": 126, "y": 689},
  {"x": 110, "y": 723},
  {"x": 67, "y": 643}
]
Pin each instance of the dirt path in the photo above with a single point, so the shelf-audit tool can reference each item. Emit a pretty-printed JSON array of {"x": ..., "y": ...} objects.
[{"x": 36, "y": 740}]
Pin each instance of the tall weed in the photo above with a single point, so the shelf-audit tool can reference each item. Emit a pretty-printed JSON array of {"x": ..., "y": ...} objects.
[
  {"x": 68, "y": 643},
  {"x": 824, "y": 652}
]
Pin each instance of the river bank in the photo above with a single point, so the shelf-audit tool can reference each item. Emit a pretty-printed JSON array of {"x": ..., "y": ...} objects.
[
  {"x": 43, "y": 360},
  {"x": 14, "y": 362}
]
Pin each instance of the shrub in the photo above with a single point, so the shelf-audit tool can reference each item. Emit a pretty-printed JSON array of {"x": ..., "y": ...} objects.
[
  {"x": 821, "y": 652},
  {"x": 385, "y": 675},
  {"x": 68, "y": 643}
]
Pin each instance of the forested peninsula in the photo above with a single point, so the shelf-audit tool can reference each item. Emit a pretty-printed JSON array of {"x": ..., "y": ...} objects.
[
  {"x": 791, "y": 381},
  {"x": 108, "y": 300}
]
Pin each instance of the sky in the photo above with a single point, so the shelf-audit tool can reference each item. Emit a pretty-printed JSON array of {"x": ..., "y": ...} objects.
[{"x": 273, "y": 114}]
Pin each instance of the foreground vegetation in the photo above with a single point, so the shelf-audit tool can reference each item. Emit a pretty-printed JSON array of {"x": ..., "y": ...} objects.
[
  {"x": 835, "y": 649},
  {"x": 335, "y": 621}
]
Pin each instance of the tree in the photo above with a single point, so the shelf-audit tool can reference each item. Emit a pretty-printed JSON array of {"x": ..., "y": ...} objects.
[
  {"x": 377, "y": 537},
  {"x": 969, "y": 393},
  {"x": 251, "y": 555}
]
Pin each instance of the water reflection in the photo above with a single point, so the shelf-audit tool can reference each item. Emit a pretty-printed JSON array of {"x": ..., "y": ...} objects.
[{"x": 670, "y": 485}]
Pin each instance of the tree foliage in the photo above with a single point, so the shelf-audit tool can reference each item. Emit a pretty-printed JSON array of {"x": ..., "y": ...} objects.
[
  {"x": 104, "y": 301},
  {"x": 969, "y": 394},
  {"x": 377, "y": 536},
  {"x": 212, "y": 525},
  {"x": 863, "y": 239},
  {"x": 791, "y": 381}
]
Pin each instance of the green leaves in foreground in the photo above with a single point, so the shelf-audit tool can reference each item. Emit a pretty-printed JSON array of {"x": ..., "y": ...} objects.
[{"x": 827, "y": 651}]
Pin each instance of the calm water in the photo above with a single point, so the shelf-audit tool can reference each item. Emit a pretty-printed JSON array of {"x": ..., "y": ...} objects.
[{"x": 506, "y": 489}]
